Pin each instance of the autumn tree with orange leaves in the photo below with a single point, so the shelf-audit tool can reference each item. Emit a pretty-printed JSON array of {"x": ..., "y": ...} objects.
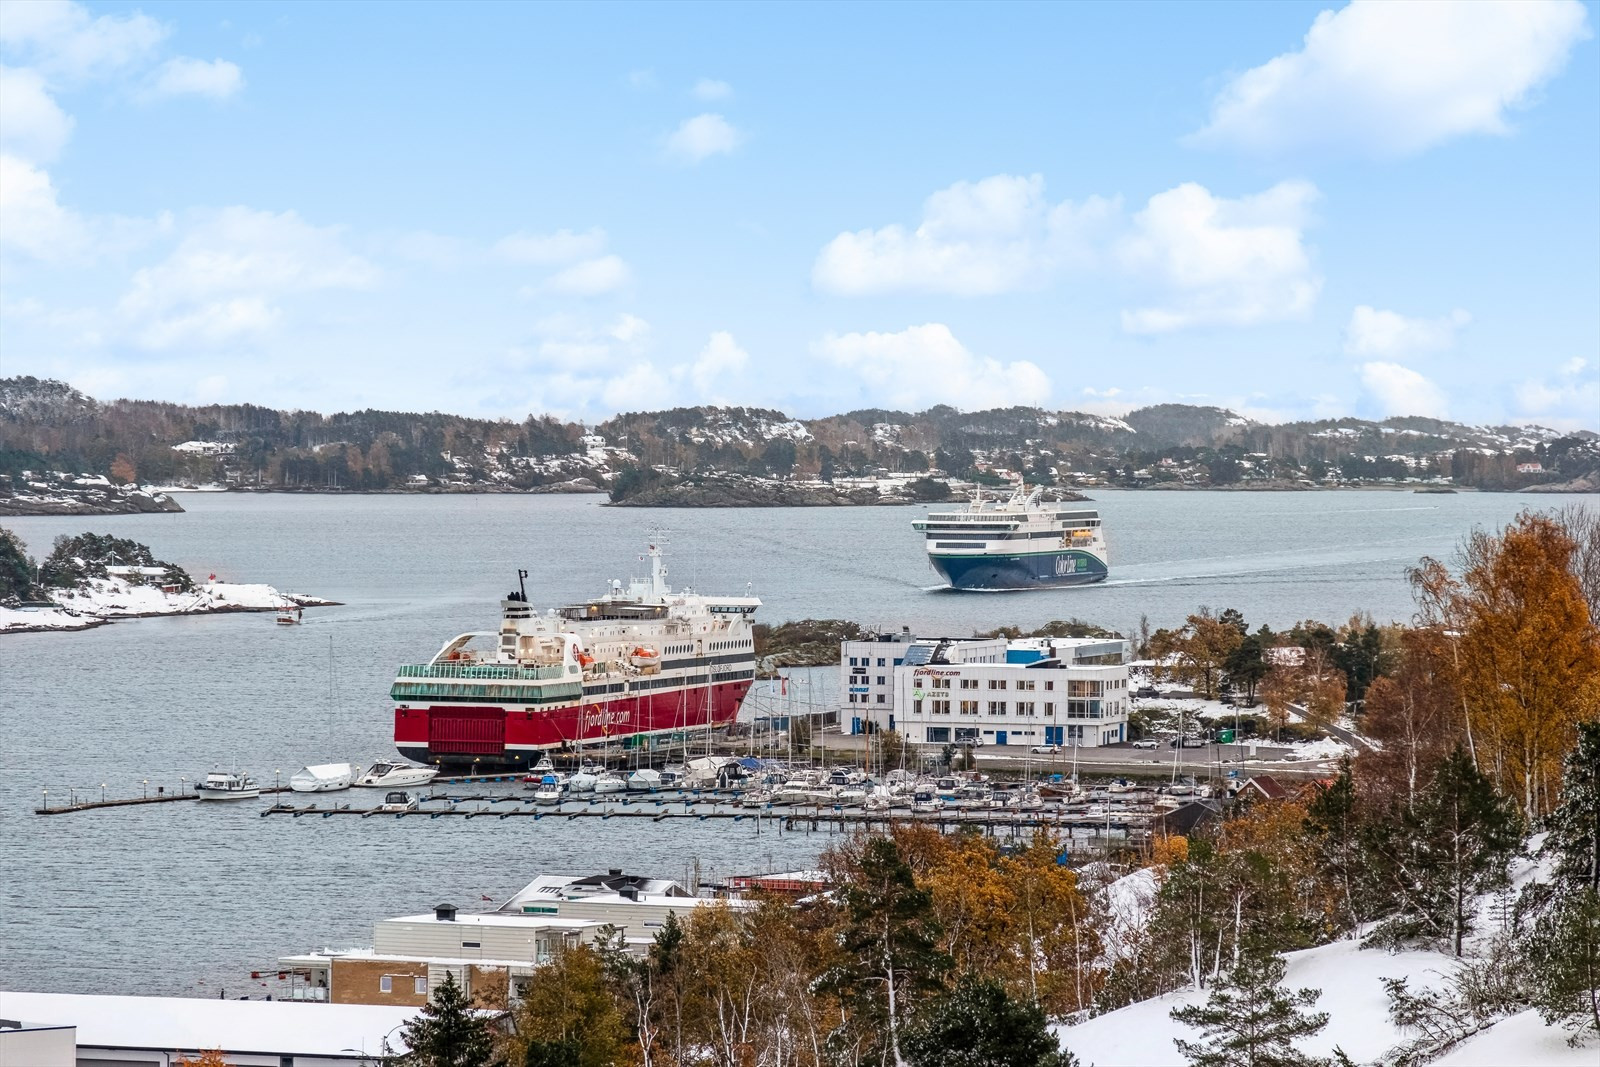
[{"x": 1524, "y": 651}]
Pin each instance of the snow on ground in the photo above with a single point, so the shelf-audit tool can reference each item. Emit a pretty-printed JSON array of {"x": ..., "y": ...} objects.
[
  {"x": 1350, "y": 977},
  {"x": 1329, "y": 748},
  {"x": 1129, "y": 900},
  {"x": 101, "y": 599},
  {"x": 1524, "y": 1039}
]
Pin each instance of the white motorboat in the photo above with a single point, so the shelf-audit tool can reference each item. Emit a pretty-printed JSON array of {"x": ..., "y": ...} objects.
[
  {"x": 1027, "y": 800},
  {"x": 228, "y": 785},
  {"x": 878, "y": 802},
  {"x": 544, "y": 766},
  {"x": 323, "y": 777},
  {"x": 389, "y": 774},
  {"x": 607, "y": 782},
  {"x": 926, "y": 803},
  {"x": 399, "y": 800},
  {"x": 550, "y": 791},
  {"x": 755, "y": 798},
  {"x": 582, "y": 782}
]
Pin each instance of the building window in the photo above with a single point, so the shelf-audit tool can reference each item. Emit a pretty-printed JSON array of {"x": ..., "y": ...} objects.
[
  {"x": 880, "y": 679},
  {"x": 386, "y": 984},
  {"x": 1049, "y": 685},
  {"x": 997, "y": 707},
  {"x": 941, "y": 707},
  {"x": 969, "y": 683},
  {"x": 420, "y": 987},
  {"x": 852, "y": 698},
  {"x": 1024, "y": 707},
  {"x": 969, "y": 707},
  {"x": 1049, "y": 710},
  {"x": 916, "y": 706},
  {"x": 881, "y": 698},
  {"x": 1025, "y": 683},
  {"x": 852, "y": 661},
  {"x": 938, "y": 735},
  {"x": 997, "y": 683}
]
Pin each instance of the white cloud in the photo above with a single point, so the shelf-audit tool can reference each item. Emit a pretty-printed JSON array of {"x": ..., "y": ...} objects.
[
  {"x": 1396, "y": 390},
  {"x": 32, "y": 220},
  {"x": 63, "y": 40},
  {"x": 182, "y": 76},
  {"x": 1372, "y": 332},
  {"x": 925, "y": 365},
  {"x": 229, "y": 273},
  {"x": 591, "y": 277},
  {"x": 1568, "y": 401},
  {"x": 701, "y": 137},
  {"x": 1233, "y": 262},
  {"x": 720, "y": 360},
  {"x": 32, "y": 125},
  {"x": 1390, "y": 79},
  {"x": 629, "y": 329},
  {"x": 562, "y": 246},
  {"x": 712, "y": 89},
  {"x": 996, "y": 235}
]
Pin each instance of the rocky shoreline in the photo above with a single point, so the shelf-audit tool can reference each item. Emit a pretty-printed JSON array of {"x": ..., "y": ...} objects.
[{"x": 88, "y": 500}]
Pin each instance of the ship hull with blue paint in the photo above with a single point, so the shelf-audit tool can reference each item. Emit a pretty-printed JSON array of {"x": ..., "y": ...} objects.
[{"x": 1031, "y": 571}]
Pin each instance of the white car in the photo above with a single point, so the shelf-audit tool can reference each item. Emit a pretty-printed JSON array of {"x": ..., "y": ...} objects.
[
  {"x": 1048, "y": 750},
  {"x": 1146, "y": 743}
]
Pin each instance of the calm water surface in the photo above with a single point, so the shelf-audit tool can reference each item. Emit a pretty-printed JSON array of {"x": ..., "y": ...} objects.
[{"x": 189, "y": 898}]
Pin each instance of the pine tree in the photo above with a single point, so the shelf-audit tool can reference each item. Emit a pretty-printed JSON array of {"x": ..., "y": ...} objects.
[
  {"x": 1563, "y": 956},
  {"x": 1250, "y": 1020},
  {"x": 977, "y": 1024},
  {"x": 890, "y": 949},
  {"x": 1453, "y": 844},
  {"x": 1574, "y": 824},
  {"x": 447, "y": 1032}
]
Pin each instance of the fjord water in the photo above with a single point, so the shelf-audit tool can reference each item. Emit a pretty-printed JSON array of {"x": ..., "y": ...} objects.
[{"x": 189, "y": 898}]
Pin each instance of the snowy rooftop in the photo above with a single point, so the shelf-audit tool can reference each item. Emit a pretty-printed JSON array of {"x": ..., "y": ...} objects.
[
  {"x": 500, "y": 918},
  {"x": 188, "y": 1024}
]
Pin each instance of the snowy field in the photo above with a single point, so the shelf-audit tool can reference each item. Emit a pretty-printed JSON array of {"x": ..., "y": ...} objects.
[
  {"x": 1351, "y": 980},
  {"x": 101, "y": 600}
]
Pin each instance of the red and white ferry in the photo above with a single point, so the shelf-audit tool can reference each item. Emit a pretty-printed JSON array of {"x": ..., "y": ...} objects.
[{"x": 640, "y": 660}]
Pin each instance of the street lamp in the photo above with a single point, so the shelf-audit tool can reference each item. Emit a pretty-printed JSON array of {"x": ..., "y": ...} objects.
[
  {"x": 183, "y": 786},
  {"x": 102, "y": 792},
  {"x": 277, "y": 785},
  {"x": 46, "y": 799}
]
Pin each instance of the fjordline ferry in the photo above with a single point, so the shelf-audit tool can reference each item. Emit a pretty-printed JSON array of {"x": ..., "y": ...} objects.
[
  {"x": 1019, "y": 543},
  {"x": 634, "y": 662}
]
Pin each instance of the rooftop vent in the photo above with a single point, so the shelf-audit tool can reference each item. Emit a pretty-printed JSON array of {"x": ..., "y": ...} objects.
[
  {"x": 628, "y": 893},
  {"x": 445, "y": 913},
  {"x": 616, "y": 871}
]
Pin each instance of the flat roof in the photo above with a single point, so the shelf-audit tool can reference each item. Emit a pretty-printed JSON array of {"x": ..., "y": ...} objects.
[
  {"x": 520, "y": 920},
  {"x": 189, "y": 1024}
]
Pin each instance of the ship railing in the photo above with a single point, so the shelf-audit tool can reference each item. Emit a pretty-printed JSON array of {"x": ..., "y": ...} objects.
[{"x": 481, "y": 672}]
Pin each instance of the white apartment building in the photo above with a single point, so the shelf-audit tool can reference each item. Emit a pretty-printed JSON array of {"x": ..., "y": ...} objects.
[
  {"x": 1059, "y": 691},
  {"x": 867, "y": 669}
]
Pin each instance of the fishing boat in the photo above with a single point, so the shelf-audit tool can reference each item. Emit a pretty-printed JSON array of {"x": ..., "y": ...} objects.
[
  {"x": 228, "y": 785},
  {"x": 388, "y": 774},
  {"x": 323, "y": 777},
  {"x": 290, "y": 614},
  {"x": 1018, "y": 543}
]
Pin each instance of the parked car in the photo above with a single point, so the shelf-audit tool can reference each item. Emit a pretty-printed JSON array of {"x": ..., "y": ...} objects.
[
  {"x": 1147, "y": 691},
  {"x": 1148, "y": 742},
  {"x": 1048, "y": 750}
]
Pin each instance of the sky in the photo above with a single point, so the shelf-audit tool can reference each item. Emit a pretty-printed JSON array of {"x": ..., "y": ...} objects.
[{"x": 1292, "y": 210}]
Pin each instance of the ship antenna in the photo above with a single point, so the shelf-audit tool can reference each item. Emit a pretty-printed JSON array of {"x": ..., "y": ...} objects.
[{"x": 522, "y": 585}]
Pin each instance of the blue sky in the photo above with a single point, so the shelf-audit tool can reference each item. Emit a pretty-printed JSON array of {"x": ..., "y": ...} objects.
[{"x": 1295, "y": 210}]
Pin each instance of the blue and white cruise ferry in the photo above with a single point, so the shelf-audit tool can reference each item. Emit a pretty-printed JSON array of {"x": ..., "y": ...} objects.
[{"x": 1019, "y": 543}]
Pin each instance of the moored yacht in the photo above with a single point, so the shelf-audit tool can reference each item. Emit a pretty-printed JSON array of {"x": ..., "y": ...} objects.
[
  {"x": 389, "y": 774},
  {"x": 228, "y": 785}
]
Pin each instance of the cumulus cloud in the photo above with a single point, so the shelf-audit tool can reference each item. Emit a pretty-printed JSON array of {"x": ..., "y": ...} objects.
[
  {"x": 1372, "y": 332},
  {"x": 182, "y": 76},
  {"x": 1568, "y": 400},
  {"x": 562, "y": 246},
  {"x": 712, "y": 89},
  {"x": 32, "y": 124},
  {"x": 921, "y": 366},
  {"x": 701, "y": 137},
  {"x": 230, "y": 272},
  {"x": 1224, "y": 261},
  {"x": 1377, "y": 78},
  {"x": 36, "y": 225},
  {"x": 591, "y": 277},
  {"x": 64, "y": 40},
  {"x": 996, "y": 235},
  {"x": 720, "y": 360},
  {"x": 1392, "y": 389}
]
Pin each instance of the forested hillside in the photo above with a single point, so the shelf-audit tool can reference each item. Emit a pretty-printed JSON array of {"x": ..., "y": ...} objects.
[{"x": 47, "y": 426}]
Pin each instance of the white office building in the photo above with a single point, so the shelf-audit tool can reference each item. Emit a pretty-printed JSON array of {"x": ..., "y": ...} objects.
[
  {"x": 867, "y": 670},
  {"x": 1061, "y": 691}
]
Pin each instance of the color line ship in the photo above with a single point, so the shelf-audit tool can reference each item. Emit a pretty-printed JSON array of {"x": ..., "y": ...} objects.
[
  {"x": 1019, "y": 543},
  {"x": 641, "y": 661}
]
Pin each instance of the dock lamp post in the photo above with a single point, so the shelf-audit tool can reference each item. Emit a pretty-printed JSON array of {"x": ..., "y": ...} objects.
[
  {"x": 46, "y": 799},
  {"x": 146, "y": 784},
  {"x": 277, "y": 786},
  {"x": 183, "y": 786},
  {"x": 102, "y": 792}
]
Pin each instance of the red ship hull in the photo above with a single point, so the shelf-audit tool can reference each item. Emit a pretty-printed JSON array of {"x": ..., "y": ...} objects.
[{"x": 489, "y": 737}]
